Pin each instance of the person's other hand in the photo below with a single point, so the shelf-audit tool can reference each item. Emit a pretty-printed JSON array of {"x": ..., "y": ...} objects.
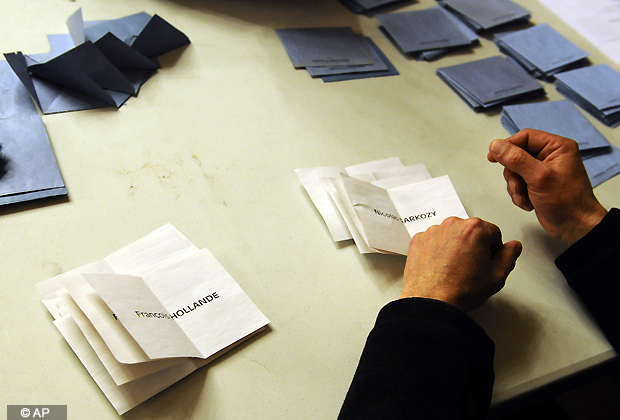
[
  {"x": 462, "y": 262},
  {"x": 545, "y": 173}
]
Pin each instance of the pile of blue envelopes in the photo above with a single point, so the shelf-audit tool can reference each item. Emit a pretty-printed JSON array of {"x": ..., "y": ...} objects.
[
  {"x": 601, "y": 159},
  {"x": 490, "y": 81},
  {"x": 482, "y": 15},
  {"x": 98, "y": 64},
  {"x": 601, "y": 164},
  {"x": 369, "y": 6},
  {"x": 335, "y": 54},
  {"x": 596, "y": 89},
  {"x": 28, "y": 168},
  {"x": 542, "y": 51},
  {"x": 557, "y": 117},
  {"x": 426, "y": 34}
]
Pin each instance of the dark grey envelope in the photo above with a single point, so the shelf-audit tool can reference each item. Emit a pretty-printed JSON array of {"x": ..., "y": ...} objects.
[
  {"x": 308, "y": 47},
  {"x": 423, "y": 30},
  {"x": 391, "y": 70},
  {"x": 490, "y": 81},
  {"x": 370, "y": 47},
  {"x": 487, "y": 14}
]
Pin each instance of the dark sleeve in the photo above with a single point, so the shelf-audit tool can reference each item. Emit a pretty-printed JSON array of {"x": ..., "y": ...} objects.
[
  {"x": 424, "y": 359},
  {"x": 592, "y": 268}
]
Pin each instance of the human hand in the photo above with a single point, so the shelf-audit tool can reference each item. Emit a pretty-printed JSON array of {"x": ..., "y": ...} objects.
[
  {"x": 545, "y": 173},
  {"x": 462, "y": 262}
]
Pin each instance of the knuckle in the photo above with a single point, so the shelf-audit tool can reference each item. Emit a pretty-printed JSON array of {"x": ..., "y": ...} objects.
[
  {"x": 475, "y": 222},
  {"x": 571, "y": 145},
  {"x": 516, "y": 157},
  {"x": 542, "y": 176},
  {"x": 447, "y": 223}
]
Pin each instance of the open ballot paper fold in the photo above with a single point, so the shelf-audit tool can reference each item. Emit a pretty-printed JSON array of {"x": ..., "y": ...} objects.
[
  {"x": 380, "y": 209},
  {"x": 196, "y": 317},
  {"x": 149, "y": 314}
]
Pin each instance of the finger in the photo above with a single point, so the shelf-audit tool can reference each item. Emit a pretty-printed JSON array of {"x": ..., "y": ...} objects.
[
  {"x": 517, "y": 190},
  {"x": 505, "y": 258},
  {"x": 533, "y": 141},
  {"x": 522, "y": 201},
  {"x": 492, "y": 235},
  {"x": 515, "y": 181},
  {"x": 490, "y": 154},
  {"x": 517, "y": 160}
]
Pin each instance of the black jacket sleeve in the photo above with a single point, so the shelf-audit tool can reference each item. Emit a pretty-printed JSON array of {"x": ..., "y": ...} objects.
[
  {"x": 592, "y": 268},
  {"x": 424, "y": 359}
]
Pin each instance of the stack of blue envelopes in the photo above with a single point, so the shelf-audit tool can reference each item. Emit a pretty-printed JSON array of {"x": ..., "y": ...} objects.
[
  {"x": 557, "y": 117},
  {"x": 601, "y": 164},
  {"x": 28, "y": 168},
  {"x": 98, "y": 64},
  {"x": 542, "y": 51},
  {"x": 368, "y": 6},
  {"x": 601, "y": 159},
  {"x": 426, "y": 34},
  {"x": 596, "y": 89},
  {"x": 482, "y": 15},
  {"x": 490, "y": 81},
  {"x": 335, "y": 54}
]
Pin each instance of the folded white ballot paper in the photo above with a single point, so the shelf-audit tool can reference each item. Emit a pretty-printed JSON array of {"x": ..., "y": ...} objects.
[
  {"x": 149, "y": 314},
  {"x": 380, "y": 208}
]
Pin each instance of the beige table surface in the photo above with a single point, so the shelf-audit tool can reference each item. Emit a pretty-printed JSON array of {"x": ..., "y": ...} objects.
[{"x": 210, "y": 146}]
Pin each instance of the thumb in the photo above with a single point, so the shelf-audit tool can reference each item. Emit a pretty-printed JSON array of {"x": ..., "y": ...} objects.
[
  {"x": 505, "y": 258},
  {"x": 515, "y": 159}
]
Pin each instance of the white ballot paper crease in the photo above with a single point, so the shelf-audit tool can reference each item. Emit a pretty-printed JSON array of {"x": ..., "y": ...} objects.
[
  {"x": 149, "y": 314},
  {"x": 381, "y": 209}
]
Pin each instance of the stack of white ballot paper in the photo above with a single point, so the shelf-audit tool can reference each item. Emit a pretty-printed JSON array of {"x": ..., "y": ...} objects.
[
  {"x": 149, "y": 314},
  {"x": 380, "y": 204}
]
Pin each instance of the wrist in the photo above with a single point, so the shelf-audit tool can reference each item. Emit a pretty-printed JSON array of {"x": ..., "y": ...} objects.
[
  {"x": 439, "y": 295},
  {"x": 585, "y": 224}
]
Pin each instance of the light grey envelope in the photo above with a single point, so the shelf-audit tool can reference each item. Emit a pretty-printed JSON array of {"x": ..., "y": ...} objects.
[
  {"x": 28, "y": 167},
  {"x": 599, "y": 85},
  {"x": 602, "y": 164},
  {"x": 544, "y": 47},
  {"x": 557, "y": 117}
]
